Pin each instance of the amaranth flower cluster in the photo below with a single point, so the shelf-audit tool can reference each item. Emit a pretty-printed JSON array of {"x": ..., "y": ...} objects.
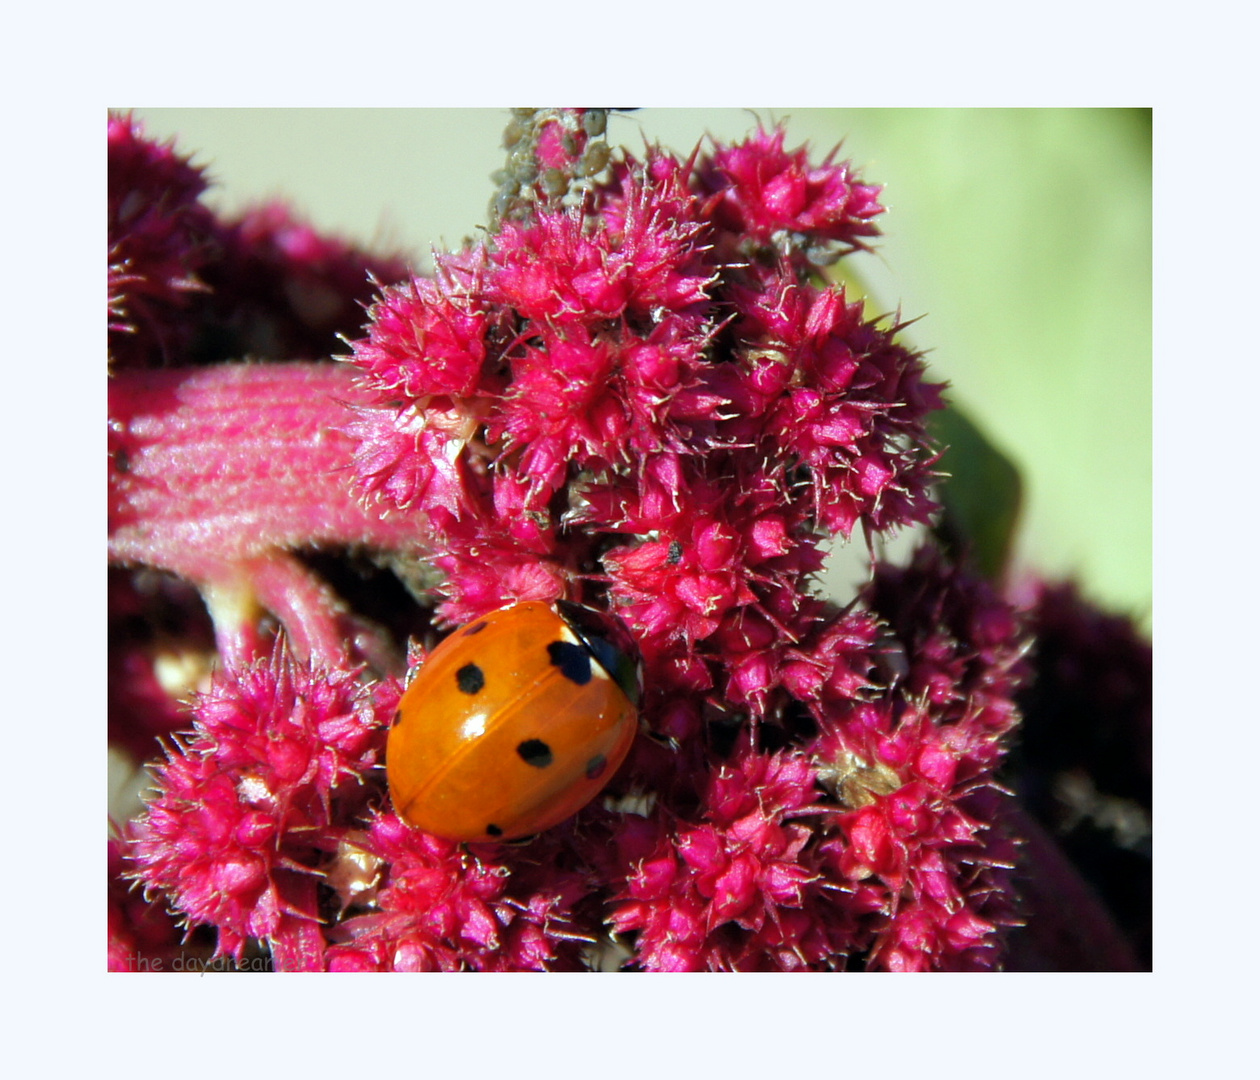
[{"x": 636, "y": 392}]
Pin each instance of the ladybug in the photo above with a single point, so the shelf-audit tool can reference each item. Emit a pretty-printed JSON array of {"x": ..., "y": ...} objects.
[{"x": 514, "y": 722}]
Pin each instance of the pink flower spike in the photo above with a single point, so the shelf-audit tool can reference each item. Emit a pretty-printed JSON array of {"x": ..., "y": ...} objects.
[
  {"x": 430, "y": 337},
  {"x": 248, "y": 805}
]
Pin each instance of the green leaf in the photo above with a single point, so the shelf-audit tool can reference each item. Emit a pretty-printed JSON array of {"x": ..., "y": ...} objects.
[{"x": 982, "y": 494}]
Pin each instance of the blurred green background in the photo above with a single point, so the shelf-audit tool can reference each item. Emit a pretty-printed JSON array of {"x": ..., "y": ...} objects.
[{"x": 1021, "y": 236}]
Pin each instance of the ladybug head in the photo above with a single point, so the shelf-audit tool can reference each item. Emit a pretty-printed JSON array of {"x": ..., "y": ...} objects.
[{"x": 610, "y": 642}]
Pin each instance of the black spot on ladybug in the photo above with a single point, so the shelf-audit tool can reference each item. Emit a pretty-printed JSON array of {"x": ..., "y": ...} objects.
[
  {"x": 609, "y": 642},
  {"x": 573, "y": 661},
  {"x": 596, "y": 766},
  {"x": 475, "y": 628},
  {"x": 675, "y": 553},
  {"x": 535, "y": 752},
  {"x": 397, "y": 717},
  {"x": 493, "y": 830},
  {"x": 470, "y": 679}
]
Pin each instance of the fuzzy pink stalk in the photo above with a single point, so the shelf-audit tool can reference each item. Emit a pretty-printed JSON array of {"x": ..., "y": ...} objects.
[{"x": 218, "y": 474}]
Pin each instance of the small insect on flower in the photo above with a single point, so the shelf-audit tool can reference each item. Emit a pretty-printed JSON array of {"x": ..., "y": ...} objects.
[{"x": 515, "y": 722}]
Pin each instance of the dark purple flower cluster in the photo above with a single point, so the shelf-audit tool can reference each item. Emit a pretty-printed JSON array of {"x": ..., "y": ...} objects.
[
  {"x": 188, "y": 287},
  {"x": 1084, "y": 775},
  {"x": 160, "y": 237}
]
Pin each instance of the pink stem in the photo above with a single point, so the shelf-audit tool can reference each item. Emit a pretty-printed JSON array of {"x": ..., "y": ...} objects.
[{"x": 217, "y": 473}]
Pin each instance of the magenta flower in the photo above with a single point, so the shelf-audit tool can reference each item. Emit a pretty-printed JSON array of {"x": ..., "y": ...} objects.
[
  {"x": 771, "y": 196},
  {"x": 636, "y": 393},
  {"x": 734, "y": 890},
  {"x": 253, "y": 802},
  {"x": 447, "y": 909}
]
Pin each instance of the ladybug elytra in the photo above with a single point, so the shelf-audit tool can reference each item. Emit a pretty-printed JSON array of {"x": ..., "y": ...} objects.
[{"x": 514, "y": 722}]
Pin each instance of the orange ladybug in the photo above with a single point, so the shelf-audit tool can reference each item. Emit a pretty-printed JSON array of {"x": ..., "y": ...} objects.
[{"x": 514, "y": 722}]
